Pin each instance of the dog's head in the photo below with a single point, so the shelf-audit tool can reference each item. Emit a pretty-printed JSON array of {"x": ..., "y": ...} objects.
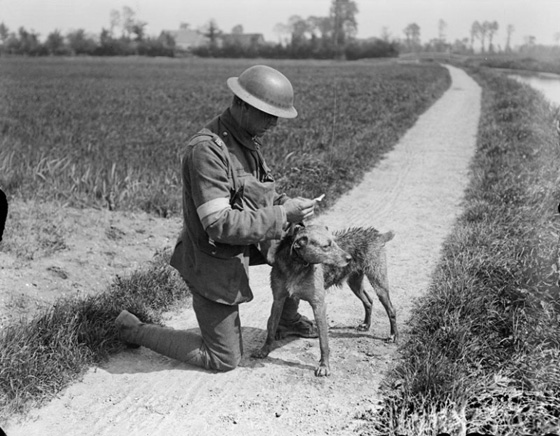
[{"x": 315, "y": 244}]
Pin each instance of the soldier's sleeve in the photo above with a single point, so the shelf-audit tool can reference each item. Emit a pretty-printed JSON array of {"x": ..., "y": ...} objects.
[
  {"x": 208, "y": 170},
  {"x": 281, "y": 198}
]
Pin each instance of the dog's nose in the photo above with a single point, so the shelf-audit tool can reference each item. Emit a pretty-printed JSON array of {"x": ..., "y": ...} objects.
[{"x": 348, "y": 257}]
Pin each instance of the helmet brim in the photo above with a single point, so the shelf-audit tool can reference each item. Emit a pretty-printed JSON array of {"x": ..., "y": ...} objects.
[{"x": 237, "y": 89}]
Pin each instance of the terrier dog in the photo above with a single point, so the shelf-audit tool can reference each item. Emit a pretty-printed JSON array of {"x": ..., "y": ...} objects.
[{"x": 309, "y": 260}]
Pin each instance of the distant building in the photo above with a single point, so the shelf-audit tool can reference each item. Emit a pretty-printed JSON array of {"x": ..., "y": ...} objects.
[
  {"x": 243, "y": 40},
  {"x": 187, "y": 39}
]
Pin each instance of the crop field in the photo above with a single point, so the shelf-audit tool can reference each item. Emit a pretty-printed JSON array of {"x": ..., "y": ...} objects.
[{"x": 109, "y": 132}]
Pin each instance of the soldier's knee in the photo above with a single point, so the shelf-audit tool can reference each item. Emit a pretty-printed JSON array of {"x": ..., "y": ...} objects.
[{"x": 227, "y": 362}]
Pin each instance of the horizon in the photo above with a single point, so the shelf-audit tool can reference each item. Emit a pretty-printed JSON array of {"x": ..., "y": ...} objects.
[{"x": 537, "y": 18}]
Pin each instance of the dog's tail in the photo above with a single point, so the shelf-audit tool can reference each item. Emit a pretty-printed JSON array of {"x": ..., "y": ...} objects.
[{"x": 386, "y": 237}]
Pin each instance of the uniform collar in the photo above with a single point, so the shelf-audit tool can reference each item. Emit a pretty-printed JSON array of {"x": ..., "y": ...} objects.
[{"x": 240, "y": 134}]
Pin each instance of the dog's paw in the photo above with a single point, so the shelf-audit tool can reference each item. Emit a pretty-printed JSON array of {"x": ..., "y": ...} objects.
[
  {"x": 391, "y": 339},
  {"x": 322, "y": 370},
  {"x": 261, "y": 353},
  {"x": 363, "y": 327}
]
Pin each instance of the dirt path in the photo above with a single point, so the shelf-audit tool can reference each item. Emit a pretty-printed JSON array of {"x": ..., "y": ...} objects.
[{"x": 416, "y": 191}]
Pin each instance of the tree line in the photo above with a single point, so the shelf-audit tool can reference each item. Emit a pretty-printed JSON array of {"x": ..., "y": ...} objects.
[
  {"x": 320, "y": 37},
  {"x": 328, "y": 37},
  {"x": 132, "y": 40},
  {"x": 481, "y": 39}
]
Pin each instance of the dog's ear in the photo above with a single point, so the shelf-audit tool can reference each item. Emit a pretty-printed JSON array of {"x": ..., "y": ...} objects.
[
  {"x": 294, "y": 228},
  {"x": 301, "y": 242}
]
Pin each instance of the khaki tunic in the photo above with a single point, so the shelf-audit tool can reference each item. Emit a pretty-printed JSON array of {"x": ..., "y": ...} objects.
[{"x": 231, "y": 212}]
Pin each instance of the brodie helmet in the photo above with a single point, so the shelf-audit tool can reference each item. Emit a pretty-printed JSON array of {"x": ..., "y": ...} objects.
[{"x": 265, "y": 89}]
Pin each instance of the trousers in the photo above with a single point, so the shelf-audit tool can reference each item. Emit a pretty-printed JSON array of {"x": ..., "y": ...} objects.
[{"x": 216, "y": 345}]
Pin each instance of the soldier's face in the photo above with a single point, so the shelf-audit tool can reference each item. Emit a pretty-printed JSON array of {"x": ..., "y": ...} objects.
[{"x": 259, "y": 122}]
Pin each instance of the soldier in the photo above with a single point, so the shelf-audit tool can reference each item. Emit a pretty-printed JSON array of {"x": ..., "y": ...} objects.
[{"x": 232, "y": 216}]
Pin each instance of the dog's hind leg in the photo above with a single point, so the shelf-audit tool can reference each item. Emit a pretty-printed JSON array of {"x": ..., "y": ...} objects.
[
  {"x": 356, "y": 284},
  {"x": 381, "y": 286}
]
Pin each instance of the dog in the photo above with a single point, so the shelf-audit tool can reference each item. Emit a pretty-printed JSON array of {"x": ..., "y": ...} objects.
[{"x": 309, "y": 260}]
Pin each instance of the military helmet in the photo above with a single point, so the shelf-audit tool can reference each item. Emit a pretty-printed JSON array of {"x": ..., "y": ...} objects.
[{"x": 265, "y": 89}]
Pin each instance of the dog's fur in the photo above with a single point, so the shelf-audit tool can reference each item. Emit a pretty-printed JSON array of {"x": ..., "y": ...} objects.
[{"x": 310, "y": 259}]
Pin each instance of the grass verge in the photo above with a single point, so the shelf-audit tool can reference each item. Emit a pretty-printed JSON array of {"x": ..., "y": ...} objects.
[
  {"x": 483, "y": 345},
  {"x": 41, "y": 357}
]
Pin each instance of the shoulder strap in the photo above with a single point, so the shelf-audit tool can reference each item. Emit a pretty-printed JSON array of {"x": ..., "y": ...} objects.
[{"x": 203, "y": 135}]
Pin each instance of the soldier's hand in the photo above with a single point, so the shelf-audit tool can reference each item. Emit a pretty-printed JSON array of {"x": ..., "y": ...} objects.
[{"x": 298, "y": 209}]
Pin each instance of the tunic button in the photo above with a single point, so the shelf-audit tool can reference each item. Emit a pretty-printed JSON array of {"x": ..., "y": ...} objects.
[{"x": 224, "y": 134}]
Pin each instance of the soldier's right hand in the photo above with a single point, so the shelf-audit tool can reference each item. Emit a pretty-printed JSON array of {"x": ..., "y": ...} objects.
[{"x": 298, "y": 209}]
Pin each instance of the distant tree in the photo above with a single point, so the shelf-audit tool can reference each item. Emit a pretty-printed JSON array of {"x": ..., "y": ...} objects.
[
  {"x": 212, "y": 32},
  {"x": 475, "y": 33},
  {"x": 80, "y": 43},
  {"x": 163, "y": 45},
  {"x": 298, "y": 29},
  {"x": 412, "y": 34},
  {"x": 139, "y": 30},
  {"x": 442, "y": 27},
  {"x": 282, "y": 31},
  {"x": 530, "y": 40},
  {"x": 237, "y": 30},
  {"x": 55, "y": 44},
  {"x": 114, "y": 21},
  {"x": 324, "y": 25},
  {"x": 509, "y": 31},
  {"x": 385, "y": 34},
  {"x": 492, "y": 28},
  {"x": 4, "y": 33},
  {"x": 167, "y": 40},
  {"x": 460, "y": 46},
  {"x": 487, "y": 30},
  {"x": 439, "y": 44},
  {"x": 343, "y": 16},
  {"x": 25, "y": 42},
  {"x": 128, "y": 20},
  {"x": 372, "y": 48}
]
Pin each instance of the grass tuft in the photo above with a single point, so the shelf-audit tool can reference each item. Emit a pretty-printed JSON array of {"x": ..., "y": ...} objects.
[{"x": 41, "y": 357}]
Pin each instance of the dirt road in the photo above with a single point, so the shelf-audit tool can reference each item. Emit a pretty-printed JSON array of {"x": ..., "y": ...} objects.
[{"x": 415, "y": 191}]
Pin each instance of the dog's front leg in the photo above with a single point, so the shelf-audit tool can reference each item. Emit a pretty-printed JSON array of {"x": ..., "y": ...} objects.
[
  {"x": 272, "y": 326},
  {"x": 320, "y": 312}
]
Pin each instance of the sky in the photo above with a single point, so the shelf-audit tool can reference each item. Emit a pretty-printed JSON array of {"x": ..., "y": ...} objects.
[{"x": 538, "y": 18}]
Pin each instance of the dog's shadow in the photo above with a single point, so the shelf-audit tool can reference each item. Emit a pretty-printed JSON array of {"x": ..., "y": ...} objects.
[
  {"x": 255, "y": 344},
  {"x": 351, "y": 332}
]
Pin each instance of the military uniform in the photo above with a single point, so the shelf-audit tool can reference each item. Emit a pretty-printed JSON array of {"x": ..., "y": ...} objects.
[
  {"x": 231, "y": 212},
  {"x": 232, "y": 216}
]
